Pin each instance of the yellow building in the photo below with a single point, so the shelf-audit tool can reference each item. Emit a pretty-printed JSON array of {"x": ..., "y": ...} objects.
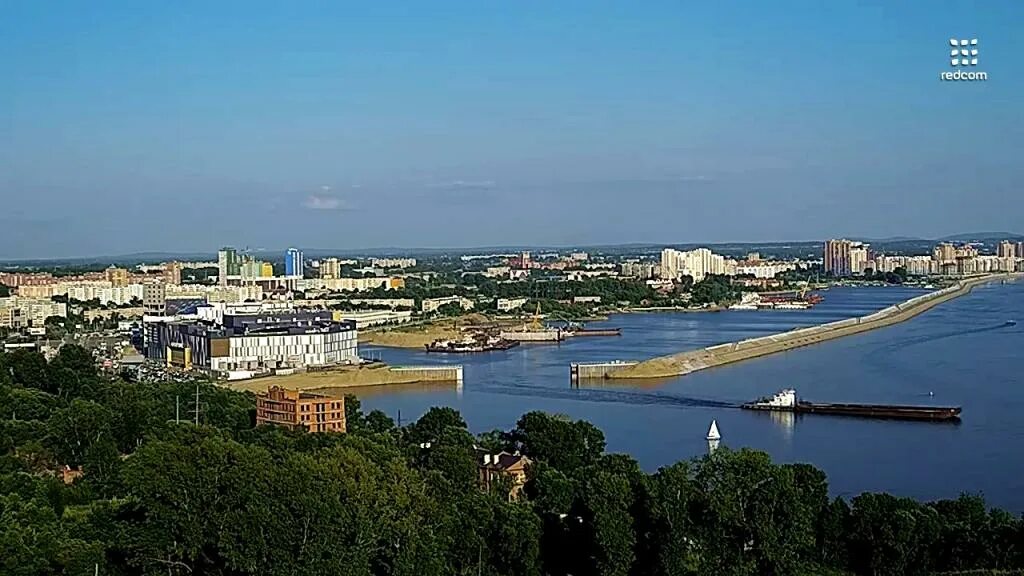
[
  {"x": 266, "y": 270},
  {"x": 116, "y": 276}
]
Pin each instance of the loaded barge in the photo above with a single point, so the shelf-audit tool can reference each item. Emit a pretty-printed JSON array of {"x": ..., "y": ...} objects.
[
  {"x": 470, "y": 345},
  {"x": 786, "y": 401}
]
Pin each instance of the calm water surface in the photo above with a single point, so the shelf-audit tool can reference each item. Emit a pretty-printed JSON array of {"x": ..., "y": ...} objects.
[{"x": 962, "y": 352}]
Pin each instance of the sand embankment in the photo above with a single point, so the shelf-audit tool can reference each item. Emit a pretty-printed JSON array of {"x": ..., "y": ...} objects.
[
  {"x": 692, "y": 360},
  {"x": 420, "y": 335},
  {"x": 378, "y": 375}
]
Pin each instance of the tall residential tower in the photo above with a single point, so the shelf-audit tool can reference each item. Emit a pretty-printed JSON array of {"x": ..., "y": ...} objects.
[{"x": 293, "y": 262}]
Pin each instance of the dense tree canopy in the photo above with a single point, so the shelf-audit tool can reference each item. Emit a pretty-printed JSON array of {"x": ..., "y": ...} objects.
[{"x": 158, "y": 496}]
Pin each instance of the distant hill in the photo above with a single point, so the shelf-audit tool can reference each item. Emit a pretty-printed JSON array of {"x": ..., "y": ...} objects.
[{"x": 983, "y": 237}]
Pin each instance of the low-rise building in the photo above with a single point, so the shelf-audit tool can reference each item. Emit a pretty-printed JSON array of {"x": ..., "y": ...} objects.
[
  {"x": 297, "y": 410},
  {"x": 586, "y": 299},
  {"x": 373, "y": 317},
  {"x": 432, "y": 304},
  {"x": 509, "y": 304},
  {"x": 393, "y": 263},
  {"x": 503, "y": 469},
  {"x": 497, "y": 271}
]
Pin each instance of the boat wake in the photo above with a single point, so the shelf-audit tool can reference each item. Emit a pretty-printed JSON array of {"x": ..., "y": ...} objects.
[
  {"x": 907, "y": 343},
  {"x": 605, "y": 395}
]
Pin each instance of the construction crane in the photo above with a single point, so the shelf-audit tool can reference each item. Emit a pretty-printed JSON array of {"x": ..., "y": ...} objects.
[{"x": 537, "y": 324}]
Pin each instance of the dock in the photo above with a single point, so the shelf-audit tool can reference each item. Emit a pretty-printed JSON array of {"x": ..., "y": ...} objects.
[
  {"x": 700, "y": 359},
  {"x": 595, "y": 370}
]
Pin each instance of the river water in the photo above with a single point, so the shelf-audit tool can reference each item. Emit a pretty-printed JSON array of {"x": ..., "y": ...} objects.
[{"x": 959, "y": 353}]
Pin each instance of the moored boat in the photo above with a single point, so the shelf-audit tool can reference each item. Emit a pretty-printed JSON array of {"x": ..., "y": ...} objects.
[{"x": 470, "y": 345}]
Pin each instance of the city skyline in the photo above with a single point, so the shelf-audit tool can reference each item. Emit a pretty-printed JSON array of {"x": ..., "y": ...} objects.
[{"x": 467, "y": 125}]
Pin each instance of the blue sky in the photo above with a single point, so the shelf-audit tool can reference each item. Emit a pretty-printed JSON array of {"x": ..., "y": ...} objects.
[{"x": 184, "y": 126}]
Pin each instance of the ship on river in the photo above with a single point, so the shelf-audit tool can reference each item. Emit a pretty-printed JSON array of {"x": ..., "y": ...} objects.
[
  {"x": 787, "y": 401},
  {"x": 471, "y": 345}
]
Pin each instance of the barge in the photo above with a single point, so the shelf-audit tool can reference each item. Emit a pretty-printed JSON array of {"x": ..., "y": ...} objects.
[
  {"x": 470, "y": 345},
  {"x": 596, "y": 332},
  {"x": 786, "y": 401}
]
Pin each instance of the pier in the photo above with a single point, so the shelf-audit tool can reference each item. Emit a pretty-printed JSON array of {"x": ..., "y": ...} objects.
[
  {"x": 693, "y": 360},
  {"x": 595, "y": 370}
]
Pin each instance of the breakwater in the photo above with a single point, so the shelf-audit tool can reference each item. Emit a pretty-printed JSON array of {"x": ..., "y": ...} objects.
[
  {"x": 693, "y": 360},
  {"x": 378, "y": 375}
]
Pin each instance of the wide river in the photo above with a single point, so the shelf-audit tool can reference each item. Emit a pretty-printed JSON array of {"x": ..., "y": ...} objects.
[{"x": 959, "y": 353}]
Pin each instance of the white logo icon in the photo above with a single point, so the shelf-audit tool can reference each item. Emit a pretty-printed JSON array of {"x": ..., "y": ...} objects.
[{"x": 964, "y": 52}]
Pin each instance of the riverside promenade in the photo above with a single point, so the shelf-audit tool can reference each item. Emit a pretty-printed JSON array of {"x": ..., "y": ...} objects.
[{"x": 689, "y": 361}]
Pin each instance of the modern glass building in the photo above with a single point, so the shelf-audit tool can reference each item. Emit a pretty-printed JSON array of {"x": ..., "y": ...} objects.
[{"x": 293, "y": 262}]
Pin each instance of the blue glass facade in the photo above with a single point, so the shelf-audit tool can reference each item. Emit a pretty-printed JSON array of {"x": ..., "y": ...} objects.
[{"x": 293, "y": 262}]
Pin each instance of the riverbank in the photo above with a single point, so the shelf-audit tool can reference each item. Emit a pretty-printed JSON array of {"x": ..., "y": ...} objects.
[
  {"x": 354, "y": 377},
  {"x": 418, "y": 336},
  {"x": 693, "y": 360}
]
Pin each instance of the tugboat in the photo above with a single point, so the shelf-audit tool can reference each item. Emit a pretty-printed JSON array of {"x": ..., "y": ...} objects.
[{"x": 786, "y": 401}]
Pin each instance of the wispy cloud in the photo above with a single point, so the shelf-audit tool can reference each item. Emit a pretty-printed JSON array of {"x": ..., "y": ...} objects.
[
  {"x": 464, "y": 185},
  {"x": 322, "y": 202}
]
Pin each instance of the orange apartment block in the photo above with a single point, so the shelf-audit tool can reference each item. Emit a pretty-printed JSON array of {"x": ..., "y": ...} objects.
[{"x": 294, "y": 409}]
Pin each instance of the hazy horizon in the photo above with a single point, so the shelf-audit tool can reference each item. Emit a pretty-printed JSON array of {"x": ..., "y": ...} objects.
[{"x": 183, "y": 128}]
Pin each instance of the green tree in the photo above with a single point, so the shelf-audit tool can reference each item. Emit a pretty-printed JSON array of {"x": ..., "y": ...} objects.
[
  {"x": 606, "y": 534},
  {"x": 435, "y": 422},
  {"x": 28, "y": 368},
  {"x": 565, "y": 444},
  {"x": 73, "y": 430},
  {"x": 890, "y": 535}
]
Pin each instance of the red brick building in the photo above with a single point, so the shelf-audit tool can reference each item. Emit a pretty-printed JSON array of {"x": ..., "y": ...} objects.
[{"x": 294, "y": 409}]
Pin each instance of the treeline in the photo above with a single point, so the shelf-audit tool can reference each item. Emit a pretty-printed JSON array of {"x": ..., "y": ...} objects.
[{"x": 158, "y": 496}]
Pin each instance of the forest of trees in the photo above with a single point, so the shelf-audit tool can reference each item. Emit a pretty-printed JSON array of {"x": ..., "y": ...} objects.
[{"x": 225, "y": 498}]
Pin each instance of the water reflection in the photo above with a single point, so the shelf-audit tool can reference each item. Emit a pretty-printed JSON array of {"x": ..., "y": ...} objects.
[{"x": 786, "y": 421}]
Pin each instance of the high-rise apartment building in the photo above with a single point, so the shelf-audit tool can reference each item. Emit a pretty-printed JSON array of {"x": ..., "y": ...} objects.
[
  {"x": 330, "y": 269},
  {"x": 154, "y": 298},
  {"x": 293, "y": 265},
  {"x": 944, "y": 253},
  {"x": 697, "y": 264},
  {"x": 837, "y": 257},
  {"x": 172, "y": 273},
  {"x": 118, "y": 277},
  {"x": 228, "y": 264},
  {"x": 1006, "y": 249},
  {"x": 844, "y": 257}
]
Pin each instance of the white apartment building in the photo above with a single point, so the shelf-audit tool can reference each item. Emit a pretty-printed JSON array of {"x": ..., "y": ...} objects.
[
  {"x": 374, "y": 317},
  {"x": 764, "y": 269},
  {"x": 393, "y": 263},
  {"x": 351, "y": 284},
  {"x": 432, "y": 304},
  {"x": 104, "y": 291},
  {"x": 697, "y": 264},
  {"x": 509, "y": 304},
  {"x": 215, "y": 293},
  {"x": 17, "y": 312}
]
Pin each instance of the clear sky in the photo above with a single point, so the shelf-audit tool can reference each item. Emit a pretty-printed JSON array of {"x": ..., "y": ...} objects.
[{"x": 184, "y": 126}]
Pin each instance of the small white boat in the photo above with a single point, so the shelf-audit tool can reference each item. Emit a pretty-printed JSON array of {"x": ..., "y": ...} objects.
[{"x": 713, "y": 433}]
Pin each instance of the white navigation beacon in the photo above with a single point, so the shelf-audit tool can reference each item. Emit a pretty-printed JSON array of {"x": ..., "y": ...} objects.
[{"x": 713, "y": 433}]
